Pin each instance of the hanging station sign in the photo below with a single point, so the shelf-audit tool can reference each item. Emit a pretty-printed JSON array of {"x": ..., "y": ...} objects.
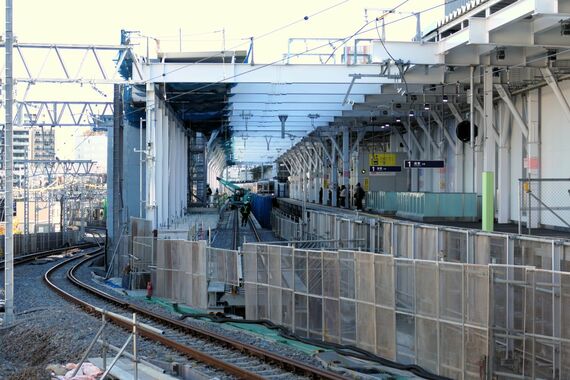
[
  {"x": 383, "y": 163},
  {"x": 420, "y": 164}
]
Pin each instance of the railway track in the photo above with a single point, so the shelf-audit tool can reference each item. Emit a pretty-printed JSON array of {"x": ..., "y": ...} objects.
[
  {"x": 226, "y": 354},
  {"x": 22, "y": 259}
]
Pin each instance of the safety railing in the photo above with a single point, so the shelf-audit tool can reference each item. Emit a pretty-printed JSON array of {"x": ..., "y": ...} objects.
[{"x": 424, "y": 206}]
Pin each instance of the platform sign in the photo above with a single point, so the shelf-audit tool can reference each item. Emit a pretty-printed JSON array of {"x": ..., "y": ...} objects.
[
  {"x": 382, "y": 159},
  {"x": 375, "y": 170},
  {"x": 419, "y": 164}
]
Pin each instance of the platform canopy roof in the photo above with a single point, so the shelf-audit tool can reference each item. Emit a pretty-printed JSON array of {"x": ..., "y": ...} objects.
[{"x": 520, "y": 39}]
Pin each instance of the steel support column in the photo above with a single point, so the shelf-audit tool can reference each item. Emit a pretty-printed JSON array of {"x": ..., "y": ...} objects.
[
  {"x": 551, "y": 81},
  {"x": 346, "y": 163},
  {"x": 165, "y": 178},
  {"x": 9, "y": 175},
  {"x": 159, "y": 169},
  {"x": 151, "y": 119},
  {"x": 458, "y": 172},
  {"x": 504, "y": 175},
  {"x": 533, "y": 151},
  {"x": 488, "y": 175}
]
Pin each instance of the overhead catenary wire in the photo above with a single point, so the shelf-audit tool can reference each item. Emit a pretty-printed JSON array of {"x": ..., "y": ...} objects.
[{"x": 277, "y": 61}]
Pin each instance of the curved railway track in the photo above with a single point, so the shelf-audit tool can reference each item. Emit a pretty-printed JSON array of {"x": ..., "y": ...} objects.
[{"x": 227, "y": 354}]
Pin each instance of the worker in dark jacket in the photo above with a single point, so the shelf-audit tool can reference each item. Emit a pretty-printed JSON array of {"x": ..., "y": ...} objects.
[
  {"x": 245, "y": 210},
  {"x": 358, "y": 196}
]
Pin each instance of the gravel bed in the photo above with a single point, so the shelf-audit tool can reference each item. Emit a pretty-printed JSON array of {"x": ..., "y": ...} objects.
[
  {"x": 84, "y": 274},
  {"x": 49, "y": 330},
  {"x": 153, "y": 351}
]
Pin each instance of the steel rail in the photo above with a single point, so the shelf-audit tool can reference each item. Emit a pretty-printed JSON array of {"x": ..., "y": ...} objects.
[
  {"x": 177, "y": 346},
  {"x": 268, "y": 356},
  {"x": 22, "y": 259}
]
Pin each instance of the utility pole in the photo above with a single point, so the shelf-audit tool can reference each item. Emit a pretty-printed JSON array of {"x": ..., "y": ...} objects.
[{"x": 8, "y": 166}]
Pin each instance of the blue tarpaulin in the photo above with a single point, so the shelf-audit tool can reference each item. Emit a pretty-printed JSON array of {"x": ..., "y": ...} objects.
[{"x": 261, "y": 207}]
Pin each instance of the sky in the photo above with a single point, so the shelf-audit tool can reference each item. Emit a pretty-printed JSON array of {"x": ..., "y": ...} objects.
[{"x": 200, "y": 23}]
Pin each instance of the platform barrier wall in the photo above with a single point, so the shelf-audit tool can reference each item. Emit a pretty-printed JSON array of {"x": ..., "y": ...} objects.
[
  {"x": 38, "y": 242},
  {"x": 423, "y": 205}
]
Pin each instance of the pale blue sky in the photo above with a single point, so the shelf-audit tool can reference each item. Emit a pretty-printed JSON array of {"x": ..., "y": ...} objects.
[{"x": 100, "y": 22}]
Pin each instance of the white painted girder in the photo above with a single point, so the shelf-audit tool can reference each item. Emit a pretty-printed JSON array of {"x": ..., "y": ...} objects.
[
  {"x": 292, "y": 98},
  {"x": 278, "y": 73},
  {"x": 304, "y": 89}
]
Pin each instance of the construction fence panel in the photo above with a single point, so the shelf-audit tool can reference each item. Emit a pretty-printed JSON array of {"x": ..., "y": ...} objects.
[
  {"x": 223, "y": 266},
  {"x": 180, "y": 272}
]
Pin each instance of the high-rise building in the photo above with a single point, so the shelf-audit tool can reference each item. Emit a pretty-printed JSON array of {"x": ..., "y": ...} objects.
[
  {"x": 29, "y": 143},
  {"x": 42, "y": 143}
]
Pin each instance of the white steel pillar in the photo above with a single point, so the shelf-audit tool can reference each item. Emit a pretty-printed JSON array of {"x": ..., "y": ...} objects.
[
  {"x": 8, "y": 167},
  {"x": 180, "y": 160},
  {"x": 334, "y": 174},
  {"x": 151, "y": 121},
  {"x": 489, "y": 142},
  {"x": 533, "y": 150},
  {"x": 346, "y": 162},
  {"x": 185, "y": 171},
  {"x": 165, "y": 179},
  {"x": 504, "y": 175},
  {"x": 172, "y": 166},
  {"x": 159, "y": 173},
  {"x": 458, "y": 171}
]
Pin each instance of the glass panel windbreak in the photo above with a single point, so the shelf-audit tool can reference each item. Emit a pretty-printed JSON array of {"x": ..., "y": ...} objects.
[{"x": 315, "y": 317}]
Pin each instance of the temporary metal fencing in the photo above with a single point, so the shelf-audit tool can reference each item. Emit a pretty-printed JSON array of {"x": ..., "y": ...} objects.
[
  {"x": 180, "y": 272},
  {"x": 38, "y": 242},
  {"x": 544, "y": 202},
  {"x": 285, "y": 226},
  {"x": 224, "y": 265}
]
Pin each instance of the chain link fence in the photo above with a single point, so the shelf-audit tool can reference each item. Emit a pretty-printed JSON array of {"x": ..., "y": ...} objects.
[{"x": 544, "y": 202}]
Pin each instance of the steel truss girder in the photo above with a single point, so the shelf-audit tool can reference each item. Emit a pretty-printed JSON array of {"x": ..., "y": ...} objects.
[
  {"x": 51, "y": 168},
  {"x": 63, "y": 113},
  {"x": 94, "y": 68}
]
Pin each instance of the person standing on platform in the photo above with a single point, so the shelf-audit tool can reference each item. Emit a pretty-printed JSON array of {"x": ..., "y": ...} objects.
[
  {"x": 208, "y": 196},
  {"x": 358, "y": 196},
  {"x": 321, "y": 196},
  {"x": 342, "y": 196},
  {"x": 216, "y": 198}
]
